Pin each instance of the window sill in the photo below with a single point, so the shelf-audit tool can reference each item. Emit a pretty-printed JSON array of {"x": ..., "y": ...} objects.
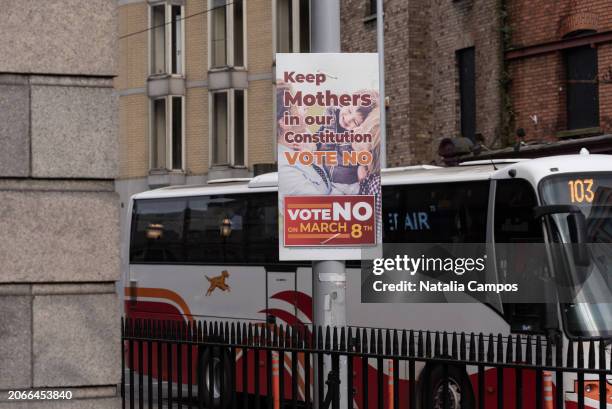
[
  {"x": 164, "y": 75},
  {"x": 227, "y": 68},
  {"x": 572, "y": 133},
  {"x": 165, "y": 177}
]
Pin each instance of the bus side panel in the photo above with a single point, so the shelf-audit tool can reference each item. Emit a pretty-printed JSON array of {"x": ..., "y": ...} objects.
[{"x": 204, "y": 292}]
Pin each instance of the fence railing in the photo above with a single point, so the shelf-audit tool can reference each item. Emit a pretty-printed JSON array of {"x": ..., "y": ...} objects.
[{"x": 231, "y": 364}]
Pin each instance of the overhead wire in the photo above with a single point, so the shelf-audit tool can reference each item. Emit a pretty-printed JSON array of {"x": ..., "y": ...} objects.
[{"x": 199, "y": 13}]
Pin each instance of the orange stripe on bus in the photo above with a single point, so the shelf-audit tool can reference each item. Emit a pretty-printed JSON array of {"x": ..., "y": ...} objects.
[{"x": 160, "y": 293}]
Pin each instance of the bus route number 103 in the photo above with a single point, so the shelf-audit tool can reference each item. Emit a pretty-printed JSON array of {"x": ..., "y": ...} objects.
[{"x": 581, "y": 190}]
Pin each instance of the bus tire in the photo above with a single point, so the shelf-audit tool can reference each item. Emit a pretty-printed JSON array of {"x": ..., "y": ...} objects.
[
  {"x": 219, "y": 357},
  {"x": 461, "y": 395}
]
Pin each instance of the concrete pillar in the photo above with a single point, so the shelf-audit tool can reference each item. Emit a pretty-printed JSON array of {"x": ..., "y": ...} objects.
[{"x": 59, "y": 228}]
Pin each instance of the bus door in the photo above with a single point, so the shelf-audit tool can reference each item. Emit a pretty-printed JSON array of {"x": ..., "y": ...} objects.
[{"x": 281, "y": 297}]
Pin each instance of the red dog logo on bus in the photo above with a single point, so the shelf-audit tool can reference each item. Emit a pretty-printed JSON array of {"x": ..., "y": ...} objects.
[{"x": 218, "y": 282}]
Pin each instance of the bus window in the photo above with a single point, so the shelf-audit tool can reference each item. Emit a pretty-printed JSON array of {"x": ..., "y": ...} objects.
[
  {"x": 157, "y": 231},
  {"x": 436, "y": 213},
  {"x": 514, "y": 221},
  {"x": 514, "y": 229},
  {"x": 253, "y": 234}
]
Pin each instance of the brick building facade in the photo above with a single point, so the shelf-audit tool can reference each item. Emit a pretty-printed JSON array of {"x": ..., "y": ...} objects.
[
  {"x": 559, "y": 58},
  {"x": 443, "y": 65},
  {"x": 195, "y": 86}
]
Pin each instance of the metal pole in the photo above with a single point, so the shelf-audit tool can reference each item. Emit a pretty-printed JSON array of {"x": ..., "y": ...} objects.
[
  {"x": 328, "y": 277},
  {"x": 380, "y": 43}
]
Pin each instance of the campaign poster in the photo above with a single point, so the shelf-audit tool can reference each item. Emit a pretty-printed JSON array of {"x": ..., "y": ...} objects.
[{"x": 328, "y": 142}]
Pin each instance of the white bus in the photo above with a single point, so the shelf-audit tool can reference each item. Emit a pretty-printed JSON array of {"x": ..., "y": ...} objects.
[{"x": 211, "y": 252}]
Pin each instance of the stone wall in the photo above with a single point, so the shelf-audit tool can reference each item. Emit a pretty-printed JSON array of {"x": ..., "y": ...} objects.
[{"x": 59, "y": 219}]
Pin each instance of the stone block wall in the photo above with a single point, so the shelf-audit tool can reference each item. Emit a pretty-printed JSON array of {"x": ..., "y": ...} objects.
[{"x": 59, "y": 218}]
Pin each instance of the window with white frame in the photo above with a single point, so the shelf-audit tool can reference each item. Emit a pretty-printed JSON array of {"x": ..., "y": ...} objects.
[
  {"x": 292, "y": 26},
  {"x": 227, "y": 32},
  {"x": 228, "y": 127},
  {"x": 167, "y": 133},
  {"x": 166, "y": 52}
]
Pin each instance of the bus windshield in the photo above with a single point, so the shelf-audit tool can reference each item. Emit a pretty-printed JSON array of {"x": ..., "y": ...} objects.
[{"x": 589, "y": 315}]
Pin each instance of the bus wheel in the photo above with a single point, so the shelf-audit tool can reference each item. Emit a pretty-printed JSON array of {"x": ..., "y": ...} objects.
[
  {"x": 460, "y": 394},
  {"x": 214, "y": 376}
]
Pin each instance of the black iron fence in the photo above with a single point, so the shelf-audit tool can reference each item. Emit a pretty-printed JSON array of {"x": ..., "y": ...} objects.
[{"x": 223, "y": 365}]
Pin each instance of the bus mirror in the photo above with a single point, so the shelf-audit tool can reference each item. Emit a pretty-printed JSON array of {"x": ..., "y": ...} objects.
[{"x": 577, "y": 228}]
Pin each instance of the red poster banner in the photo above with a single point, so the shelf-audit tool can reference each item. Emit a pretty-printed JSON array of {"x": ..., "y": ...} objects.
[{"x": 330, "y": 220}]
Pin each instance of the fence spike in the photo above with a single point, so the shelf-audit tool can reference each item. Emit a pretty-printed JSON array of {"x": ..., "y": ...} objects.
[
  {"x": 462, "y": 347},
  {"x": 350, "y": 346},
  {"x": 500, "y": 348},
  {"x": 294, "y": 336},
  {"x": 437, "y": 344},
  {"x": 580, "y": 354},
  {"x": 411, "y": 343},
  {"x": 396, "y": 350},
  {"x": 357, "y": 340},
  {"x": 276, "y": 336},
  {"x": 490, "y": 349},
  {"x": 233, "y": 333},
  {"x": 200, "y": 335},
  {"x": 379, "y": 342},
  {"x": 335, "y": 339},
  {"x": 364, "y": 342},
  {"x": 227, "y": 333},
  {"x": 528, "y": 351},
  {"x": 250, "y": 334},
  {"x": 592, "y": 354},
  {"x": 283, "y": 330},
  {"x": 509, "y": 352},
  {"x": 538, "y": 348},
  {"x": 299, "y": 334},
  {"x": 559, "y": 351},
  {"x": 444, "y": 343},
  {"x": 290, "y": 336},
  {"x": 454, "y": 349},
  {"x": 472, "y": 347},
  {"x": 570, "y": 354},
  {"x": 481, "y": 352},
  {"x": 428, "y": 344},
  {"x": 420, "y": 351},
  {"x": 548, "y": 351},
  {"x": 403, "y": 343},
  {"x": 327, "y": 338},
  {"x": 388, "y": 342},
  {"x": 602, "y": 355},
  {"x": 372, "y": 341},
  {"x": 313, "y": 337},
  {"x": 519, "y": 348},
  {"x": 320, "y": 344},
  {"x": 342, "y": 339}
]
